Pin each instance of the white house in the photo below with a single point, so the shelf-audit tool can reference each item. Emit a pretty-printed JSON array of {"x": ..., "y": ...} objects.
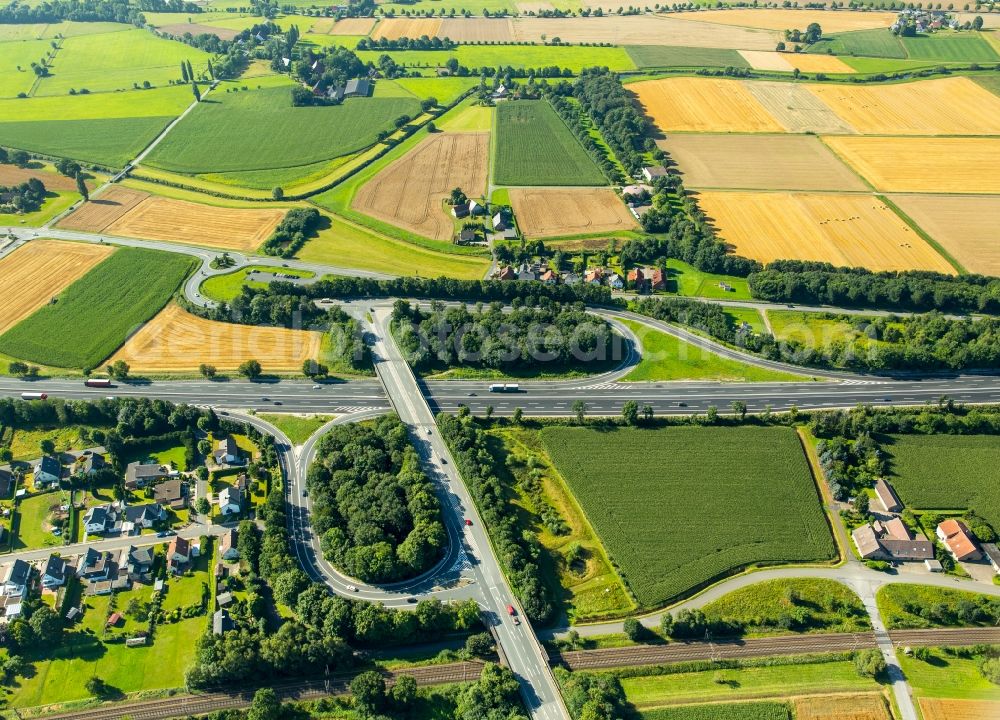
[
  {"x": 16, "y": 577},
  {"x": 230, "y": 502}
]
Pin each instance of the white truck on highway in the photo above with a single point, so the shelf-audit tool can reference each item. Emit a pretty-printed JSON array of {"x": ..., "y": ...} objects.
[
  {"x": 505, "y": 387},
  {"x": 34, "y": 396}
]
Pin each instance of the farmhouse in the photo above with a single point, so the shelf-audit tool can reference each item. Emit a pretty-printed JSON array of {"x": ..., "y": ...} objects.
[
  {"x": 507, "y": 273},
  {"x": 890, "y": 541},
  {"x": 992, "y": 553},
  {"x": 47, "y": 471},
  {"x": 461, "y": 210},
  {"x": 139, "y": 475},
  {"x": 655, "y": 171},
  {"x": 887, "y": 496},
  {"x": 959, "y": 540},
  {"x": 170, "y": 494},
  {"x": 55, "y": 573}
]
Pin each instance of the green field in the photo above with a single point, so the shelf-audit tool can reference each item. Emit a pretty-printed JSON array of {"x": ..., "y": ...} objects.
[
  {"x": 95, "y": 314},
  {"x": 901, "y": 607},
  {"x": 990, "y": 82},
  {"x": 947, "y": 472},
  {"x": 298, "y": 428},
  {"x": 726, "y": 478},
  {"x": 870, "y": 43},
  {"x": 884, "y": 65},
  {"x": 573, "y": 57},
  {"x": 260, "y": 129},
  {"x": 657, "y": 56},
  {"x": 226, "y": 287},
  {"x": 767, "y": 681},
  {"x": 950, "y": 47},
  {"x": 729, "y": 711},
  {"x": 534, "y": 147},
  {"x": 116, "y": 61},
  {"x": 55, "y": 203},
  {"x": 445, "y": 90},
  {"x": 19, "y": 53},
  {"x": 777, "y": 606},
  {"x": 665, "y": 357},
  {"x": 947, "y": 676}
]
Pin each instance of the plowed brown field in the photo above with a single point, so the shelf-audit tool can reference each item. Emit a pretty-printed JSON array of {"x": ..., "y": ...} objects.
[
  {"x": 869, "y": 706},
  {"x": 159, "y": 218},
  {"x": 933, "y": 165},
  {"x": 413, "y": 28},
  {"x": 703, "y": 105},
  {"x": 965, "y": 225},
  {"x": 947, "y": 106},
  {"x": 99, "y": 212},
  {"x": 177, "y": 341},
  {"x": 13, "y": 175},
  {"x": 410, "y": 192},
  {"x": 550, "y": 212},
  {"x": 783, "y": 19},
  {"x": 643, "y": 30},
  {"x": 35, "y": 273},
  {"x": 846, "y": 230},
  {"x": 942, "y": 709},
  {"x": 473, "y": 30}
]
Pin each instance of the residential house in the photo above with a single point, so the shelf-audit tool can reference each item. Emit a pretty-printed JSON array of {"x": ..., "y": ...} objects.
[
  {"x": 653, "y": 172},
  {"x": 507, "y": 273},
  {"x": 6, "y": 483},
  {"x": 90, "y": 463},
  {"x": 548, "y": 277},
  {"x": 15, "y": 578},
  {"x": 136, "y": 562},
  {"x": 467, "y": 236},
  {"x": 656, "y": 278},
  {"x": 890, "y": 541},
  {"x": 615, "y": 281},
  {"x": 95, "y": 567},
  {"x": 224, "y": 599},
  {"x": 500, "y": 222},
  {"x": 228, "y": 549},
  {"x": 526, "y": 272},
  {"x": 572, "y": 279},
  {"x": 887, "y": 496},
  {"x": 230, "y": 501},
  {"x": 637, "y": 279},
  {"x": 992, "y": 553},
  {"x": 138, "y": 475},
  {"x": 961, "y": 543},
  {"x": 178, "y": 554},
  {"x": 140, "y": 517},
  {"x": 221, "y": 622},
  {"x": 55, "y": 573},
  {"x": 227, "y": 452},
  {"x": 170, "y": 494},
  {"x": 594, "y": 276},
  {"x": 632, "y": 193},
  {"x": 102, "y": 520},
  {"x": 476, "y": 208},
  {"x": 10, "y": 608},
  {"x": 47, "y": 471}
]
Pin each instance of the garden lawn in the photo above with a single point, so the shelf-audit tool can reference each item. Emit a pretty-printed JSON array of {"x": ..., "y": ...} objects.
[
  {"x": 162, "y": 453},
  {"x": 947, "y": 472},
  {"x": 535, "y": 147},
  {"x": 657, "y": 56},
  {"x": 348, "y": 245},
  {"x": 25, "y": 443},
  {"x": 61, "y": 675},
  {"x": 871, "y": 43},
  {"x": 259, "y": 129},
  {"x": 665, "y": 357},
  {"x": 31, "y": 513},
  {"x": 226, "y": 287},
  {"x": 950, "y": 46},
  {"x": 99, "y": 310},
  {"x": 729, "y": 711},
  {"x": 744, "y": 683},
  {"x": 946, "y": 676},
  {"x": 679, "y": 507},
  {"x": 298, "y": 428}
]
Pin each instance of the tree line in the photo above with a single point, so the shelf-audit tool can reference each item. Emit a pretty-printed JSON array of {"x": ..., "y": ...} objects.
[
  {"x": 405, "y": 43},
  {"x": 623, "y": 126},
  {"x": 529, "y": 337},
  {"x": 298, "y": 225},
  {"x": 570, "y": 113},
  {"x": 372, "y": 506}
]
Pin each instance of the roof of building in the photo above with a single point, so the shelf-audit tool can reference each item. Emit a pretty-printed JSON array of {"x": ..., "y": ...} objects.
[
  {"x": 896, "y": 530},
  {"x": 655, "y": 171},
  {"x": 145, "y": 471},
  {"x": 50, "y": 465},
  {"x": 358, "y": 86},
  {"x": 229, "y": 496},
  {"x": 992, "y": 552},
  {"x": 55, "y": 567},
  {"x": 97, "y": 515},
  {"x": 168, "y": 491},
  {"x": 228, "y": 541},
  {"x": 957, "y": 537},
  {"x": 909, "y": 549},
  {"x": 179, "y": 546},
  {"x": 17, "y": 573},
  {"x": 866, "y": 540},
  {"x": 221, "y": 622},
  {"x": 887, "y": 496},
  {"x": 149, "y": 512}
]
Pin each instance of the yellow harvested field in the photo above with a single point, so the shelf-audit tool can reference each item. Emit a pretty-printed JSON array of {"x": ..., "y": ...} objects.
[
  {"x": 160, "y": 218},
  {"x": 474, "y": 30},
  {"x": 687, "y": 104},
  {"x": 947, "y": 106},
  {"x": 352, "y": 26},
  {"x": 964, "y": 225},
  {"x": 766, "y": 60},
  {"x": 945, "y": 709},
  {"x": 552, "y": 212},
  {"x": 411, "y": 191},
  {"x": 176, "y": 341},
  {"x": 808, "y": 63},
  {"x": 796, "y": 109},
  {"x": 846, "y": 230},
  {"x": 759, "y": 162},
  {"x": 867, "y": 706},
  {"x": 932, "y": 165},
  {"x": 643, "y": 30},
  {"x": 37, "y": 272},
  {"x": 413, "y": 28},
  {"x": 99, "y": 212},
  {"x": 787, "y": 19}
]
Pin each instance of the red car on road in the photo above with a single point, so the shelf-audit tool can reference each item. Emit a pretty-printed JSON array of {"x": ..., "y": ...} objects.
[{"x": 513, "y": 613}]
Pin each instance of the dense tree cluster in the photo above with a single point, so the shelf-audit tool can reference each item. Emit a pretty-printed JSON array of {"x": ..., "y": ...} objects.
[
  {"x": 373, "y": 507},
  {"x": 404, "y": 43},
  {"x": 280, "y": 304},
  {"x": 25, "y": 197},
  {"x": 547, "y": 335},
  {"x": 914, "y": 290},
  {"x": 298, "y": 225},
  {"x": 571, "y": 114},
  {"x": 593, "y": 697},
  {"x": 623, "y": 126},
  {"x": 320, "y": 70},
  {"x": 518, "y": 552}
]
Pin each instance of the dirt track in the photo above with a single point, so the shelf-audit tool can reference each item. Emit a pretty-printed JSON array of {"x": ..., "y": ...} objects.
[{"x": 410, "y": 192}]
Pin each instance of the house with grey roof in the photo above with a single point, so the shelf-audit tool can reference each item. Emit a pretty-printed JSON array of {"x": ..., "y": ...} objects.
[
  {"x": 221, "y": 622},
  {"x": 139, "y": 475},
  {"x": 56, "y": 572},
  {"x": 16, "y": 577},
  {"x": 47, "y": 471}
]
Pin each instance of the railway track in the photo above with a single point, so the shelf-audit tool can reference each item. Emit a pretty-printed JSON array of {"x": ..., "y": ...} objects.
[
  {"x": 183, "y": 705},
  {"x": 947, "y": 636}
]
